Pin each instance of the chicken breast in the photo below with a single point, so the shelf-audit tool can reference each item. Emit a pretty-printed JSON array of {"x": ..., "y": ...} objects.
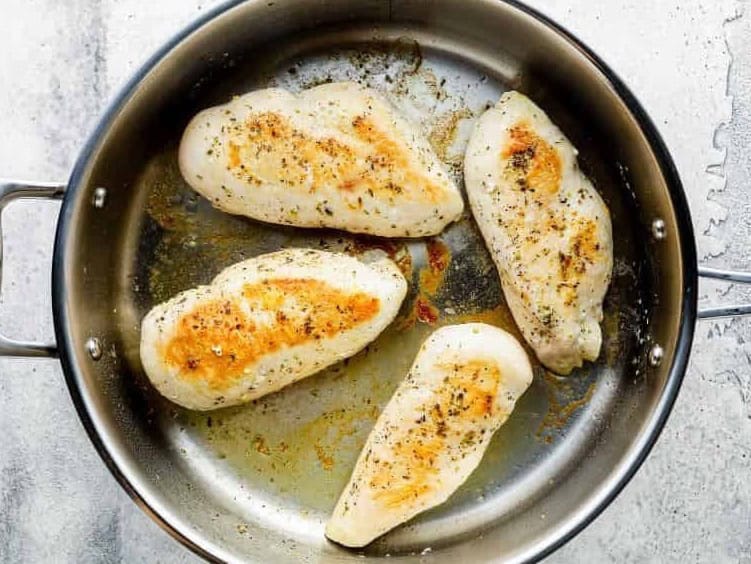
[
  {"x": 337, "y": 155},
  {"x": 265, "y": 323},
  {"x": 433, "y": 433},
  {"x": 546, "y": 226}
]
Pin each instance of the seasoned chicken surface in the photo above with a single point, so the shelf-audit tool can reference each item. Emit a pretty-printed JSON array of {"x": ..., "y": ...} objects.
[
  {"x": 265, "y": 323},
  {"x": 434, "y": 431},
  {"x": 546, "y": 226},
  {"x": 337, "y": 155}
]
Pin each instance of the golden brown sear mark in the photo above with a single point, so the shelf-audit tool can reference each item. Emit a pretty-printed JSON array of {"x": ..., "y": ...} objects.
[
  {"x": 584, "y": 251},
  {"x": 217, "y": 340},
  {"x": 467, "y": 394},
  {"x": 586, "y": 247},
  {"x": 409, "y": 478},
  {"x": 533, "y": 165},
  {"x": 471, "y": 389},
  {"x": 267, "y": 148}
]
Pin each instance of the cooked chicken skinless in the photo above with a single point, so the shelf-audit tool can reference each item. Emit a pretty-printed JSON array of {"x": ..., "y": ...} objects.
[
  {"x": 546, "y": 226},
  {"x": 265, "y": 323},
  {"x": 337, "y": 155},
  {"x": 434, "y": 431}
]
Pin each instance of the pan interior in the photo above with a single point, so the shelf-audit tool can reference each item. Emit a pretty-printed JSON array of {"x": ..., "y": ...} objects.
[
  {"x": 283, "y": 460},
  {"x": 259, "y": 481}
]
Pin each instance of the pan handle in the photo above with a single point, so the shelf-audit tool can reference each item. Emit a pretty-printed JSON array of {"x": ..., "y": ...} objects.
[
  {"x": 9, "y": 191},
  {"x": 727, "y": 276}
]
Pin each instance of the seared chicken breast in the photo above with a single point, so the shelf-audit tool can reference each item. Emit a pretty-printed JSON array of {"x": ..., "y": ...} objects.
[
  {"x": 546, "y": 226},
  {"x": 265, "y": 323},
  {"x": 433, "y": 433},
  {"x": 337, "y": 155}
]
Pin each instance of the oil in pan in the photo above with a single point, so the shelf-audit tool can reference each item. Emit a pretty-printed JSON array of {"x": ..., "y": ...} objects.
[{"x": 286, "y": 457}]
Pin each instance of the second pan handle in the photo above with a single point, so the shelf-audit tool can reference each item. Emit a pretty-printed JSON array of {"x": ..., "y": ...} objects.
[
  {"x": 727, "y": 276},
  {"x": 9, "y": 191}
]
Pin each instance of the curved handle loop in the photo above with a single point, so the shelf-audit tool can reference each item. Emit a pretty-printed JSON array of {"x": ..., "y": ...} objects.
[
  {"x": 9, "y": 191},
  {"x": 727, "y": 276}
]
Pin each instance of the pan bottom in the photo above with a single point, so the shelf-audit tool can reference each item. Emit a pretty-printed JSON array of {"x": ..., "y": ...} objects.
[{"x": 281, "y": 462}]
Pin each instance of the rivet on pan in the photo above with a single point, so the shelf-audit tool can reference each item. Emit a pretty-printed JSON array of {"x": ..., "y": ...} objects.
[
  {"x": 658, "y": 230},
  {"x": 94, "y": 348},
  {"x": 656, "y": 355},
  {"x": 100, "y": 196}
]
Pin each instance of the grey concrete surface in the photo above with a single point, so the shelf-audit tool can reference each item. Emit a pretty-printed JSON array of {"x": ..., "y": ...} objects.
[{"x": 689, "y": 61}]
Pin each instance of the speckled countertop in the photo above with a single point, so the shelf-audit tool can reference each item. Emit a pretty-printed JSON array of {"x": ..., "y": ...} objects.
[{"x": 689, "y": 61}]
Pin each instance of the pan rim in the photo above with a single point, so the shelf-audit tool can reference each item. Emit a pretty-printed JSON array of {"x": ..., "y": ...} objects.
[{"x": 608, "y": 491}]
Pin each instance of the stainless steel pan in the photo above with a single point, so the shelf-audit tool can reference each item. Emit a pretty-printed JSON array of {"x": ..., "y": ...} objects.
[{"x": 258, "y": 482}]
